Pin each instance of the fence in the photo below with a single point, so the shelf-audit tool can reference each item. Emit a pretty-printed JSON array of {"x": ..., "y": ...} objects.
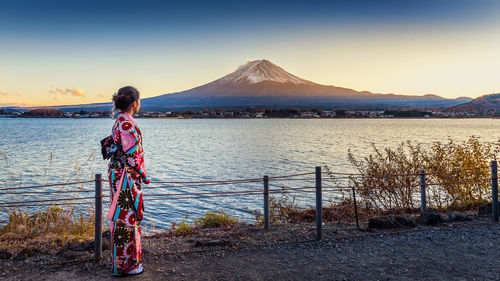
[{"x": 318, "y": 188}]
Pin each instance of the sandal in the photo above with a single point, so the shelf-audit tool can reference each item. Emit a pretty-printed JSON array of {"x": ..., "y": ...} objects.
[{"x": 136, "y": 271}]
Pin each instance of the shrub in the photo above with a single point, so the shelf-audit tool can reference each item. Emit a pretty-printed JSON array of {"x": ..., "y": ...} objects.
[
  {"x": 458, "y": 174},
  {"x": 462, "y": 170},
  {"x": 215, "y": 219},
  {"x": 183, "y": 228},
  {"x": 384, "y": 182},
  {"x": 282, "y": 209}
]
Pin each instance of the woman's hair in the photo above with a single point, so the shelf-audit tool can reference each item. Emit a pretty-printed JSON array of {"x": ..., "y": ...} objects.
[{"x": 125, "y": 97}]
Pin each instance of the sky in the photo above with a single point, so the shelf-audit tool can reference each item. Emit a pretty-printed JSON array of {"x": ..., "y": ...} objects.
[{"x": 73, "y": 52}]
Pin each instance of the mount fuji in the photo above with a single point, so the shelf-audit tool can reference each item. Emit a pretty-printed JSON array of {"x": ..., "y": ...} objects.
[{"x": 261, "y": 83}]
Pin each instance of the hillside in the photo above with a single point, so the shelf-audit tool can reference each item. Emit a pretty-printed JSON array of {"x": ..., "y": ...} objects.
[{"x": 486, "y": 105}]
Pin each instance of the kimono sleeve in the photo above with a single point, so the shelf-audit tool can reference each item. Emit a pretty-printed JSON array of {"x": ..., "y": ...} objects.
[{"x": 134, "y": 153}]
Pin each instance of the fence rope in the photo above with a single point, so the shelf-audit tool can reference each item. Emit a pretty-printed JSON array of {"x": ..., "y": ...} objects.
[
  {"x": 47, "y": 192},
  {"x": 232, "y": 181},
  {"x": 49, "y": 200},
  {"x": 196, "y": 185},
  {"x": 46, "y": 185},
  {"x": 215, "y": 182},
  {"x": 212, "y": 183},
  {"x": 225, "y": 192},
  {"x": 48, "y": 205}
]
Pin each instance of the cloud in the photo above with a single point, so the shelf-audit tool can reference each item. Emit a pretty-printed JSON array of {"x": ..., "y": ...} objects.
[
  {"x": 14, "y": 104},
  {"x": 58, "y": 91},
  {"x": 55, "y": 98},
  {"x": 4, "y": 94},
  {"x": 100, "y": 95},
  {"x": 76, "y": 92}
]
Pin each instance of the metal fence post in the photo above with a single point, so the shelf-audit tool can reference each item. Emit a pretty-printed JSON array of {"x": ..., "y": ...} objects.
[
  {"x": 318, "y": 204},
  {"x": 494, "y": 191},
  {"x": 355, "y": 206},
  {"x": 266, "y": 202},
  {"x": 98, "y": 217},
  {"x": 423, "y": 198}
]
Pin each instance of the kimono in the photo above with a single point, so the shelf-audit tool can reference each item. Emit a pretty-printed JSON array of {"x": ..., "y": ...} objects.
[{"x": 126, "y": 173}]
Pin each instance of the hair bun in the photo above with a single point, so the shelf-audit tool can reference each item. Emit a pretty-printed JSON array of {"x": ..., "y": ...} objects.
[{"x": 125, "y": 97}]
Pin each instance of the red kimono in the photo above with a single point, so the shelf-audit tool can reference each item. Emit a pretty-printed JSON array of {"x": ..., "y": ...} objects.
[{"x": 126, "y": 174}]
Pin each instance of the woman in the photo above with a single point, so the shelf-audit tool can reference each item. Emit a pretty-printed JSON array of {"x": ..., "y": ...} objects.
[{"x": 126, "y": 174}]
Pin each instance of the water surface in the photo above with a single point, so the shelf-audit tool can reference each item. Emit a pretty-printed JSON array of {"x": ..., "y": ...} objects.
[{"x": 213, "y": 149}]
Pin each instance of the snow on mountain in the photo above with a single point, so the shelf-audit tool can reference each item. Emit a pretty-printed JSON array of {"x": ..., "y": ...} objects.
[{"x": 260, "y": 71}]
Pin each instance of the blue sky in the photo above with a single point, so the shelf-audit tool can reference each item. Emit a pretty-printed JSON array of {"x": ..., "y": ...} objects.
[{"x": 88, "y": 49}]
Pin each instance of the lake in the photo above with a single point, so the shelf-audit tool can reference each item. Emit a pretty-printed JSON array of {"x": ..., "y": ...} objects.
[{"x": 212, "y": 149}]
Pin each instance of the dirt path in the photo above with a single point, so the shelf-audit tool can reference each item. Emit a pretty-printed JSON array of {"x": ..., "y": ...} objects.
[{"x": 467, "y": 251}]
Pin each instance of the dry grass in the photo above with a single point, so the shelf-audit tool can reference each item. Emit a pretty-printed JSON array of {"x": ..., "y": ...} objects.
[
  {"x": 215, "y": 219},
  {"x": 46, "y": 225},
  {"x": 210, "y": 219}
]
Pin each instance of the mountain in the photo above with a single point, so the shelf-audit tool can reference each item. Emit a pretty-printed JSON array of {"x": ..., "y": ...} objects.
[
  {"x": 486, "y": 105},
  {"x": 261, "y": 83}
]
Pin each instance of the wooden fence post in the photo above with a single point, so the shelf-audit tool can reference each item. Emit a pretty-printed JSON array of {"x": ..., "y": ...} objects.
[
  {"x": 98, "y": 217},
  {"x": 266, "y": 202},
  {"x": 319, "y": 206},
  {"x": 494, "y": 191},
  {"x": 423, "y": 198}
]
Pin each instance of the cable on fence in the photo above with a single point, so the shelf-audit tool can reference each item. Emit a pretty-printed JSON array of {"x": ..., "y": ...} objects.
[
  {"x": 224, "y": 192},
  {"x": 202, "y": 193},
  {"x": 340, "y": 187},
  {"x": 47, "y": 205},
  {"x": 183, "y": 196},
  {"x": 210, "y": 183},
  {"x": 46, "y": 185},
  {"x": 221, "y": 181},
  {"x": 47, "y": 192},
  {"x": 194, "y": 197},
  {"x": 340, "y": 178},
  {"x": 288, "y": 179},
  {"x": 455, "y": 183},
  {"x": 195, "y": 185},
  {"x": 231, "y": 181},
  {"x": 376, "y": 177},
  {"x": 457, "y": 170},
  {"x": 398, "y": 175},
  {"x": 313, "y": 179},
  {"x": 256, "y": 192},
  {"x": 49, "y": 200},
  {"x": 290, "y": 176}
]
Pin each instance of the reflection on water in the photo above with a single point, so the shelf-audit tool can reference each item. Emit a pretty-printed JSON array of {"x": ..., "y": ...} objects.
[{"x": 216, "y": 149}]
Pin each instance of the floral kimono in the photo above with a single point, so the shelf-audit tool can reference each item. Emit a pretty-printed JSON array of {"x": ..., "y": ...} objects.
[{"x": 126, "y": 173}]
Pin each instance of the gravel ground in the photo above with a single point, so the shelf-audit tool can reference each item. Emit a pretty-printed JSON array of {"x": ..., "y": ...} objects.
[{"x": 453, "y": 251}]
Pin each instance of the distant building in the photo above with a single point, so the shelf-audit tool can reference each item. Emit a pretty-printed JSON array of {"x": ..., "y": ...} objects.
[{"x": 309, "y": 114}]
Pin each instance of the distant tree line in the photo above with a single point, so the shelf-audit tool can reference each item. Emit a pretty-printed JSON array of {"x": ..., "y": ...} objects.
[{"x": 52, "y": 113}]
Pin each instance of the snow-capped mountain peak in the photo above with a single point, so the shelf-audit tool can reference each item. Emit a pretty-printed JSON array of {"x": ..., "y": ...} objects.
[{"x": 260, "y": 71}]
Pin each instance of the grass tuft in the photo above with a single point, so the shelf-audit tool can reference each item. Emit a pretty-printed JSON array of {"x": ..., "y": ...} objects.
[{"x": 215, "y": 219}]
